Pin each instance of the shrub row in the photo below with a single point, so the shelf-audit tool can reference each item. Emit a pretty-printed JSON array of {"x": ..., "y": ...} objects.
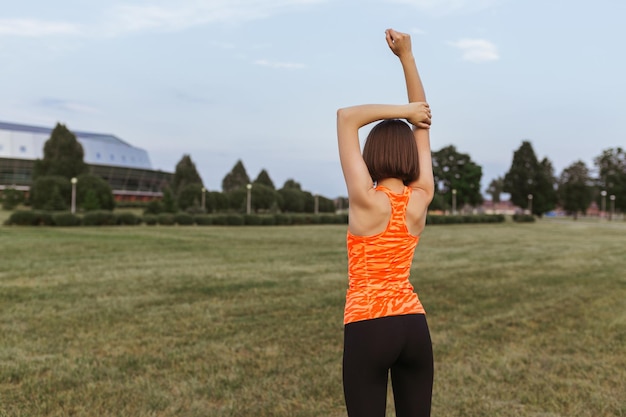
[
  {"x": 92, "y": 218},
  {"x": 458, "y": 219},
  {"x": 108, "y": 218},
  {"x": 523, "y": 218}
]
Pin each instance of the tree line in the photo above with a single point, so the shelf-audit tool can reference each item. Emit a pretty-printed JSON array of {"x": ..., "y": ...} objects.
[{"x": 531, "y": 183}]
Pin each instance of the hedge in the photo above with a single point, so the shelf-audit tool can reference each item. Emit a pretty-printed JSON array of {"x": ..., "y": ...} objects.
[
  {"x": 99, "y": 218},
  {"x": 203, "y": 220},
  {"x": 523, "y": 218},
  {"x": 183, "y": 219},
  {"x": 127, "y": 218},
  {"x": 108, "y": 218},
  {"x": 166, "y": 219},
  {"x": 465, "y": 219},
  {"x": 150, "y": 219},
  {"x": 66, "y": 219},
  {"x": 30, "y": 218}
]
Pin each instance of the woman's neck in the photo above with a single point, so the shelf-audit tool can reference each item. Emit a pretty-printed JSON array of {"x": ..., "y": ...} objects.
[{"x": 394, "y": 184}]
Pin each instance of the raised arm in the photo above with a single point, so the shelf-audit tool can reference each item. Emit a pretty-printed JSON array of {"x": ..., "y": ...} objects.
[
  {"x": 349, "y": 121},
  {"x": 400, "y": 45}
]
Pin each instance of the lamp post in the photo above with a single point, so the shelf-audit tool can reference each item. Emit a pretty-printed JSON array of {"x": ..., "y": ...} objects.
[
  {"x": 317, "y": 203},
  {"x": 612, "y": 206},
  {"x": 203, "y": 199},
  {"x": 530, "y": 204},
  {"x": 602, "y": 212},
  {"x": 73, "y": 181},
  {"x": 454, "y": 201},
  {"x": 249, "y": 201}
]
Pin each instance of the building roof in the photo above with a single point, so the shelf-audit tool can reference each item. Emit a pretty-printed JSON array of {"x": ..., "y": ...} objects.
[{"x": 26, "y": 142}]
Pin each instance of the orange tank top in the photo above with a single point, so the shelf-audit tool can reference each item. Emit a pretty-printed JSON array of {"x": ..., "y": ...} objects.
[{"x": 379, "y": 268}]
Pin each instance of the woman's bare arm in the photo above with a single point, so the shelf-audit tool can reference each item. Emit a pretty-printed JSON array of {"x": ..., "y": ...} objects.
[
  {"x": 349, "y": 121},
  {"x": 400, "y": 45}
]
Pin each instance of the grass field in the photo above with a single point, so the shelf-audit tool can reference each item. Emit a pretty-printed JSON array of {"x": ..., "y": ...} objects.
[{"x": 526, "y": 320}]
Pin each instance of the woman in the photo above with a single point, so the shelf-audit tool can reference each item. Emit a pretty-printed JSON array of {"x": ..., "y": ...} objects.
[{"x": 390, "y": 186}]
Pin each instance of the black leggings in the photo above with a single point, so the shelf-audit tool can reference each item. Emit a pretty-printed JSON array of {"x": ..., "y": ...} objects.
[{"x": 371, "y": 349}]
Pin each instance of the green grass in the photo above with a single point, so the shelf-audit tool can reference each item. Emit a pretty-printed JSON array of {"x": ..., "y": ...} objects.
[{"x": 526, "y": 320}]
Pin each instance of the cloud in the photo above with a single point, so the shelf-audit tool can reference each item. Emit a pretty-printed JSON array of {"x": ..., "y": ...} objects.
[
  {"x": 444, "y": 7},
  {"x": 163, "y": 15},
  {"x": 34, "y": 28},
  {"x": 280, "y": 65},
  {"x": 477, "y": 50},
  {"x": 68, "y": 105},
  {"x": 169, "y": 16}
]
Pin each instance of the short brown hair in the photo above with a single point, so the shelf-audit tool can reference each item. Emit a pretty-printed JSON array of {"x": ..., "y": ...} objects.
[{"x": 390, "y": 152}]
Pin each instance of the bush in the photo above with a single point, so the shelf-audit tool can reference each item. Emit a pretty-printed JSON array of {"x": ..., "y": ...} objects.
[
  {"x": 66, "y": 219},
  {"x": 343, "y": 218},
  {"x": 234, "y": 220},
  {"x": 11, "y": 198},
  {"x": 252, "y": 219},
  {"x": 220, "y": 219},
  {"x": 195, "y": 210},
  {"x": 51, "y": 193},
  {"x": 523, "y": 218},
  {"x": 93, "y": 193},
  {"x": 30, "y": 218},
  {"x": 127, "y": 218},
  {"x": 203, "y": 220},
  {"x": 150, "y": 219},
  {"x": 332, "y": 218},
  {"x": 183, "y": 219},
  {"x": 465, "y": 219},
  {"x": 166, "y": 219},
  {"x": 153, "y": 207},
  {"x": 131, "y": 204},
  {"x": 268, "y": 220},
  {"x": 99, "y": 218},
  {"x": 305, "y": 219},
  {"x": 283, "y": 219}
]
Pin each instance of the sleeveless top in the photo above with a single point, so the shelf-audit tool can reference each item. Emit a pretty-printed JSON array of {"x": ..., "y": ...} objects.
[{"x": 379, "y": 268}]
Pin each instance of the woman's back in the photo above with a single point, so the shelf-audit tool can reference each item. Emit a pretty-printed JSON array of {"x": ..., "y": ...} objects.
[{"x": 379, "y": 266}]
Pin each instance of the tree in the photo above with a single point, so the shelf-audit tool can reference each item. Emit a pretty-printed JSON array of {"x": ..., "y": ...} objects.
[
  {"x": 292, "y": 184},
  {"x": 325, "y": 205},
  {"x": 456, "y": 171},
  {"x": 190, "y": 195},
  {"x": 236, "y": 178},
  {"x": 264, "y": 197},
  {"x": 611, "y": 166},
  {"x": 185, "y": 174},
  {"x": 237, "y": 199},
  {"x": 575, "y": 191},
  {"x": 51, "y": 193},
  {"x": 62, "y": 155},
  {"x": 169, "y": 203},
  {"x": 11, "y": 198},
  {"x": 495, "y": 189},
  {"x": 546, "y": 182},
  {"x": 292, "y": 200},
  {"x": 94, "y": 193},
  {"x": 264, "y": 178},
  {"x": 309, "y": 202},
  {"x": 216, "y": 201},
  {"x": 527, "y": 176}
]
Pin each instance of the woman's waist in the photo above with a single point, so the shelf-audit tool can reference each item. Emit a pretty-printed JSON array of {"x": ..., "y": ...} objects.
[{"x": 380, "y": 288}]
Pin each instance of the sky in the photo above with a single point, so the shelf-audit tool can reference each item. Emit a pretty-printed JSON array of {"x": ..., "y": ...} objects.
[{"x": 260, "y": 80}]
